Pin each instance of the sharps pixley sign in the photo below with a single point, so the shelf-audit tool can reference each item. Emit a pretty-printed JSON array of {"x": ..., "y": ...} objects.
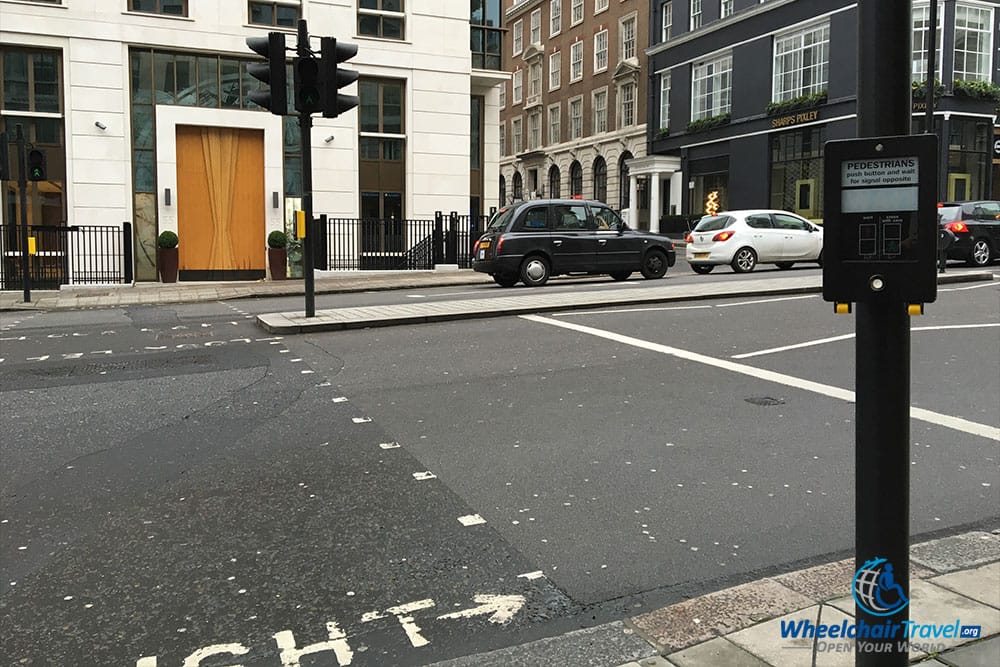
[{"x": 880, "y": 219}]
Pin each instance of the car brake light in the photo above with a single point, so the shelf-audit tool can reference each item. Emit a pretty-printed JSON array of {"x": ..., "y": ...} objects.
[
  {"x": 722, "y": 236},
  {"x": 475, "y": 246},
  {"x": 496, "y": 250},
  {"x": 957, "y": 227},
  {"x": 688, "y": 239}
]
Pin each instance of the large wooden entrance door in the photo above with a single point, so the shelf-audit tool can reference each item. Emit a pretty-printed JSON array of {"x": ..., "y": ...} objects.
[{"x": 220, "y": 203}]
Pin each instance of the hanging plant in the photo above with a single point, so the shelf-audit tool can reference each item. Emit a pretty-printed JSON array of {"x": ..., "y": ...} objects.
[
  {"x": 920, "y": 89},
  {"x": 976, "y": 90},
  {"x": 709, "y": 123},
  {"x": 796, "y": 103}
]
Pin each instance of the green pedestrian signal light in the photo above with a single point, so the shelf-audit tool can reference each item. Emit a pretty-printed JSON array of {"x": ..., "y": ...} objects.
[
  {"x": 308, "y": 97},
  {"x": 36, "y": 165}
]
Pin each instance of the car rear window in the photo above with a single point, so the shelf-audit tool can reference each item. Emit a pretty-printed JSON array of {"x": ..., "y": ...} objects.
[
  {"x": 501, "y": 219},
  {"x": 711, "y": 223},
  {"x": 949, "y": 213}
]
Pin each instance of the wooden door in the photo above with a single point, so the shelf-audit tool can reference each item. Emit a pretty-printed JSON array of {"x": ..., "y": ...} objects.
[{"x": 220, "y": 203}]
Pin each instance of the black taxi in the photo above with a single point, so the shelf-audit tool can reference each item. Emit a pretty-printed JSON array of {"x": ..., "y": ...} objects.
[{"x": 534, "y": 240}]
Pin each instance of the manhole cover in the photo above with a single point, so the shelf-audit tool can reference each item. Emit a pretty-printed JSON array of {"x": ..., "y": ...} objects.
[{"x": 764, "y": 400}]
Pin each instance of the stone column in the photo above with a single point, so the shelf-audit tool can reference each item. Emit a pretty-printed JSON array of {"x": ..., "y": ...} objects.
[
  {"x": 633, "y": 201},
  {"x": 677, "y": 190},
  {"x": 654, "y": 202}
]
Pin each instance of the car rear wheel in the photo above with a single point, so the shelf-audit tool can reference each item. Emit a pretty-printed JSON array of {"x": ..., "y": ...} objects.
[
  {"x": 654, "y": 265},
  {"x": 535, "y": 271},
  {"x": 702, "y": 268},
  {"x": 744, "y": 260},
  {"x": 621, "y": 275},
  {"x": 981, "y": 253},
  {"x": 784, "y": 266},
  {"x": 504, "y": 280}
]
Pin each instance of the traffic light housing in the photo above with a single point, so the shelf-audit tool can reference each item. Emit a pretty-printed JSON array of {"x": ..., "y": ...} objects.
[
  {"x": 308, "y": 85},
  {"x": 36, "y": 165},
  {"x": 272, "y": 47},
  {"x": 335, "y": 77}
]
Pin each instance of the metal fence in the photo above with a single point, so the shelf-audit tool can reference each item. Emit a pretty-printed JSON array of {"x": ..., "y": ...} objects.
[
  {"x": 66, "y": 255},
  {"x": 389, "y": 244}
]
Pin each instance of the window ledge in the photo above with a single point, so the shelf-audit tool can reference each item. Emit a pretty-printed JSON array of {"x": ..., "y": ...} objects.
[
  {"x": 171, "y": 17},
  {"x": 270, "y": 28},
  {"x": 384, "y": 40},
  {"x": 27, "y": 3}
]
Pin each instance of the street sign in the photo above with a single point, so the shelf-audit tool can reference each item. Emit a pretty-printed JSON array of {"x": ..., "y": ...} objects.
[{"x": 880, "y": 219}]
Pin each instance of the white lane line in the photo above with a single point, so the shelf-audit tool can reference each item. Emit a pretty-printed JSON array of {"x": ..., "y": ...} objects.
[
  {"x": 833, "y": 339},
  {"x": 630, "y": 310},
  {"x": 416, "y": 296},
  {"x": 948, "y": 421},
  {"x": 960, "y": 289},
  {"x": 389, "y": 445},
  {"x": 783, "y": 298},
  {"x": 361, "y": 420},
  {"x": 471, "y": 520},
  {"x": 421, "y": 476},
  {"x": 537, "y": 574}
]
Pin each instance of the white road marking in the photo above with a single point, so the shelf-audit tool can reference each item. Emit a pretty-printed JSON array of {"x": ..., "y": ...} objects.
[
  {"x": 416, "y": 296},
  {"x": 962, "y": 289},
  {"x": 361, "y": 420},
  {"x": 947, "y": 421},
  {"x": 537, "y": 574},
  {"x": 56, "y": 335},
  {"x": 73, "y": 355},
  {"x": 783, "y": 298},
  {"x": 101, "y": 352},
  {"x": 194, "y": 660},
  {"x": 389, "y": 445},
  {"x": 178, "y": 327},
  {"x": 832, "y": 339},
  {"x": 213, "y": 343},
  {"x": 402, "y": 613},
  {"x": 340, "y": 399},
  {"x": 17, "y": 338},
  {"x": 471, "y": 520},
  {"x": 41, "y": 358},
  {"x": 421, "y": 476},
  {"x": 155, "y": 348},
  {"x": 308, "y": 372},
  {"x": 290, "y": 655},
  {"x": 631, "y": 310},
  {"x": 500, "y": 607},
  {"x": 239, "y": 340}
]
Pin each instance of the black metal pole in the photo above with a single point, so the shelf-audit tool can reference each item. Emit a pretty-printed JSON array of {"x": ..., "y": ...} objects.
[
  {"x": 882, "y": 352},
  {"x": 22, "y": 189},
  {"x": 305, "y": 137},
  {"x": 931, "y": 64}
]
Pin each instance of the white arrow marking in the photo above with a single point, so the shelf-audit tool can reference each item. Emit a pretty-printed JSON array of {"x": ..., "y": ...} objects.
[{"x": 501, "y": 607}]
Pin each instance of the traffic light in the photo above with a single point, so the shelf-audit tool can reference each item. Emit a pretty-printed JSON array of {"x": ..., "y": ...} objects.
[
  {"x": 308, "y": 96},
  {"x": 335, "y": 77},
  {"x": 36, "y": 165},
  {"x": 275, "y": 99}
]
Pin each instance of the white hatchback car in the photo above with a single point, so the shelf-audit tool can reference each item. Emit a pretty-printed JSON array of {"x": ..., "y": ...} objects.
[{"x": 744, "y": 239}]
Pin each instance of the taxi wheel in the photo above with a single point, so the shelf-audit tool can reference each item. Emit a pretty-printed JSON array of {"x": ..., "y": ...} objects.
[
  {"x": 621, "y": 275},
  {"x": 702, "y": 268},
  {"x": 504, "y": 280},
  {"x": 784, "y": 266},
  {"x": 654, "y": 265},
  {"x": 535, "y": 271}
]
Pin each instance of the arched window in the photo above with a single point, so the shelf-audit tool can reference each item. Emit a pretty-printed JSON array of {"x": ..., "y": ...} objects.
[
  {"x": 503, "y": 190},
  {"x": 575, "y": 179},
  {"x": 600, "y": 179},
  {"x": 623, "y": 184},
  {"x": 555, "y": 187},
  {"x": 518, "y": 187}
]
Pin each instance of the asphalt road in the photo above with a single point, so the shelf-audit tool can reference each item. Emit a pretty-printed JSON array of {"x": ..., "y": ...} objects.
[{"x": 177, "y": 483}]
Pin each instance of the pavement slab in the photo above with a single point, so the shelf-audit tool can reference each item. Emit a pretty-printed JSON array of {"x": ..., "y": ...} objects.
[
  {"x": 970, "y": 583},
  {"x": 765, "y": 640},
  {"x": 981, "y": 654},
  {"x": 694, "y": 621},
  {"x": 718, "y": 651},
  {"x": 957, "y": 552}
]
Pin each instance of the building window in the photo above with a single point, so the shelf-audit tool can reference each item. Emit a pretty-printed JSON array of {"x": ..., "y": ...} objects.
[
  {"x": 515, "y": 136},
  {"x": 627, "y": 109},
  {"x": 801, "y": 63},
  {"x": 601, "y": 51},
  {"x": 535, "y": 80},
  {"x": 381, "y": 18},
  {"x": 576, "y": 62},
  {"x": 518, "y": 186},
  {"x": 664, "y": 101},
  {"x": 503, "y": 139},
  {"x": 600, "y": 105},
  {"x": 726, "y": 8},
  {"x": 503, "y": 191},
  {"x": 555, "y": 185},
  {"x": 623, "y": 182},
  {"x": 600, "y": 6},
  {"x": 486, "y": 34},
  {"x": 628, "y": 38},
  {"x": 518, "y": 86},
  {"x": 555, "y": 127},
  {"x": 555, "y": 70},
  {"x": 274, "y": 14},
  {"x": 576, "y": 118},
  {"x": 577, "y": 8},
  {"x": 921, "y": 32},
  {"x": 695, "y": 14},
  {"x": 666, "y": 21},
  {"x": 969, "y": 146},
  {"x": 711, "y": 88},
  {"x": 575, "y": 180},
  {"x": 534, "y": 131},
  {"x": 555, "y": 17},
  {"x": 518, "y": 37},
  {"x": 973, "y": 42},
  {"x": 503, "y": 95},
  {"x": 536, "y": 26},
  {"x": 600, "y": 179},
  {"x": 797, "y": 171},
  {"x": 167, "y": 7}
]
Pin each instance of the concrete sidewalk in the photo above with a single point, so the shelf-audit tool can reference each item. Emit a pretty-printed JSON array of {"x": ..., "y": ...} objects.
[{"x": 951, "y": 579}]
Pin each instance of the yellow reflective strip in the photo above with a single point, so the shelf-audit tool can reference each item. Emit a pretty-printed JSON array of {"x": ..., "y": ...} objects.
[{"x": 32, "y": 247}]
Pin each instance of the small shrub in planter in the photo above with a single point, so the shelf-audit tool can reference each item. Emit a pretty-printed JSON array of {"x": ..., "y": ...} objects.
[
  {"x": 277, "y": 254},
  {"x": 795, "y": 104},
  {"x": 277, "y": 239},
  {"x": 167, "y": 256},
  {"x": 976, "y": 90},
  {"x": 703, "y": 124}
]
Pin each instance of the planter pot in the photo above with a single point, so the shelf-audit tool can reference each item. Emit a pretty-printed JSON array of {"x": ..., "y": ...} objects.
[
  {"x": 166, "y": 263},
  {"x": 277, "y": 263}
]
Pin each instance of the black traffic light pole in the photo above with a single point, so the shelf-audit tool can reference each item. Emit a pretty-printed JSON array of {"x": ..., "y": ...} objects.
[
  {"x": 22, "y": 188},
  {"x": 882, "y": 344},
  {"x": 305, "y": 137}
]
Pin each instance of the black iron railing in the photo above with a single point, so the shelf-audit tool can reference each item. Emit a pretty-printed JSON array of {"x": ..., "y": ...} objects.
[{"x": 65, "y": 255}]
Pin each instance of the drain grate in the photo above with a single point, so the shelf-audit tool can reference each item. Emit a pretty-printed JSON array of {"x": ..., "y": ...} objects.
[{"x": 765, "y": 400}]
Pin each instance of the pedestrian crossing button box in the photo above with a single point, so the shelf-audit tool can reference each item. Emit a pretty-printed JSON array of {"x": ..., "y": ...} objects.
[{"x": 880, "y": 219}]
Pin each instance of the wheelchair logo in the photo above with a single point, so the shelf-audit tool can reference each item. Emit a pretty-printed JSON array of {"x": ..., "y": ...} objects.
[{"x": 875, "y": 589}]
